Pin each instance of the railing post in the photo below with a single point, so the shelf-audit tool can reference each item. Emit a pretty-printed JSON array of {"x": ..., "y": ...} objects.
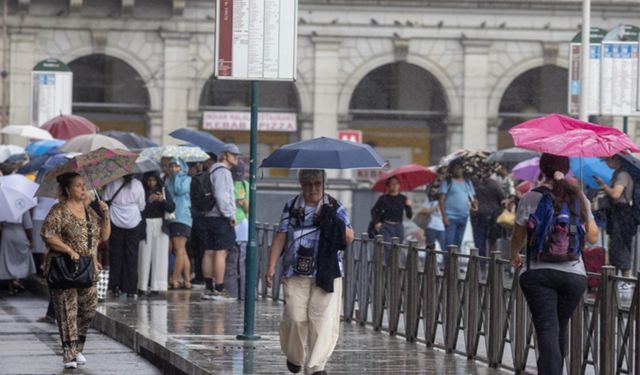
[
  {"x": 576, "y": 344},
  {"x": 348, "y": 295},
  {"x": 495, "y": 310},
  {"x": 453, "y": 300},
  {"x": 275, "y": 290},
  {"x": 430, "y": 297},
  {"x": 472, "y": 305},
  {"x": 607, "y": 322},
  {"x": 378, "y": 283},
  {"x": 363, "y": 281},
  {"x": 412, "y": 293},
  {"x": 520, "y": 346},
  {"x": 394, "y": 285}
]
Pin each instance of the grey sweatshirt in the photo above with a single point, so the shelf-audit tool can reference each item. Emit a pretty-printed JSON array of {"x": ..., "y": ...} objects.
[{"x": 222, "y": 183}]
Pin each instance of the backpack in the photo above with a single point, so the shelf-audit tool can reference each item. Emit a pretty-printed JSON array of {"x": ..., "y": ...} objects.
[
  {"x": 202, "y": 197},
  {"x": 554, "y": 234}
]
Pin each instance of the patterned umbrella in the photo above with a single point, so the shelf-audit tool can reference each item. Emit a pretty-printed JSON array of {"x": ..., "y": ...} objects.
[
  {"x": 188, "y": 154},
  {"x": 98, "y": 167},
  {"x": 90, "y": 142},
  {"x": 69, "y": 126},
  {"x": 475, "y": 163}
]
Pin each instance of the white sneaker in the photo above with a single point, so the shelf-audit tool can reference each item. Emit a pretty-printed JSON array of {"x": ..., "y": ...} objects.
[
  {"x": 72, "y": 364},
  {"x": 223, "y": 296},
  {"x": 207, "y": 295},
  {"x": 80, "y": 359}
]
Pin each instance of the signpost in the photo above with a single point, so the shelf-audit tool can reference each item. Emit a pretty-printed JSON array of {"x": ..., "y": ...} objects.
[
  {"x": 354, "y": 136},
  {"x": 575, "y": 78},
  {"x": 51, "y": 90},
  {"x": 255, "y": 40}
]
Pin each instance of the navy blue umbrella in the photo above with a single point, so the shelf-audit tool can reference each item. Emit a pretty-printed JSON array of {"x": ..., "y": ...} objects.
[
  {"x": 131, "y": 140},
  {"x": 324, "y": 153},
  {"x": 34, "y": 164},
  {"x": 206, "y": 141}
]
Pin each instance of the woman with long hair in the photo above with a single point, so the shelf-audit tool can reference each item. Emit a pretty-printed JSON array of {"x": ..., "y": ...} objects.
[
  {"x": 552, "y": 287},
  {"x": 71, "y": 229}
]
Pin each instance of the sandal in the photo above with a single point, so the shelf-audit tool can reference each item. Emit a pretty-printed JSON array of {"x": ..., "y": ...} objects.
[
  {"x": 187, "y": 285},
  {"x": 174, "y": 284}
]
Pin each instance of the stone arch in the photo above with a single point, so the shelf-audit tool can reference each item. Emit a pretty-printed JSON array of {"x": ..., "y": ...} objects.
[
  {"x": 453, "y": 102},
  {"x": 144, "y": 71}
]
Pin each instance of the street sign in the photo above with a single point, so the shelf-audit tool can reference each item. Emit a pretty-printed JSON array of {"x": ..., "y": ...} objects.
[
  {"x": 241, "y": 121},
  {"x": 354, "y": 136},
  {"x": 256, "y": 39},
  {"x": 619, "y": 72},
  {"x": 51, "y": 90},
  {"x": 575, "y": 49}
]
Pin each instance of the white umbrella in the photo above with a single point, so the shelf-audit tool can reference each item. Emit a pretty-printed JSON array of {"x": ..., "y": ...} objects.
[
  {"x": 27, "y": 131},
  {"x": 8, "y": 150},
  {"x": 16, "y": 196},
  {"x": 90, "y": 142}
]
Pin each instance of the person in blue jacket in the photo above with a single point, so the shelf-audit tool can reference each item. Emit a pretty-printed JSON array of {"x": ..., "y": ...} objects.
[{"x": 179, "y": 186}]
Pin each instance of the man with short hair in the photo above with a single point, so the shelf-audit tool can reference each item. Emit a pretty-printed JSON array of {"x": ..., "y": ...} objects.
[
  {"x": 220, "y": 222},
  {"x": 198, "y": 240}
]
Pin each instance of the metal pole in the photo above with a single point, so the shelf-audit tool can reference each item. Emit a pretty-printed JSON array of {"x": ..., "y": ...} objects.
[
  {"x": 4, "y": 74},
  {"x": 250, "y": 285},
  {"x": 625, "y": 124},
  {"x": 584, "y": 60}
]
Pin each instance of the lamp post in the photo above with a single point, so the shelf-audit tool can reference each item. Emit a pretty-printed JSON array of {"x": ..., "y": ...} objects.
[{"x": 584, "y": 60}]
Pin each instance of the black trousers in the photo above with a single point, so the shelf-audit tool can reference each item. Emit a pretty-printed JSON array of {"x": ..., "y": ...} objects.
[
  {"x": 197, "y": 245},
  {"x": 123, "y": 259}
]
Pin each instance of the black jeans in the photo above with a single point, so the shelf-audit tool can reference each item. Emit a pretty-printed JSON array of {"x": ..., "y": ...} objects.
[{"x": 552, "y": 297}]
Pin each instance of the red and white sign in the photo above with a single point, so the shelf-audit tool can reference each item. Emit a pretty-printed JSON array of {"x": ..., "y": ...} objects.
[
  {"x": 354, "y": 136},
  {"x": 241, "y": 121},
  {"x": 256, "y": 39}
]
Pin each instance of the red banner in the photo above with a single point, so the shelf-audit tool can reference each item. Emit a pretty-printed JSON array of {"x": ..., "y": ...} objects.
[{"x": 225, "y": 39}]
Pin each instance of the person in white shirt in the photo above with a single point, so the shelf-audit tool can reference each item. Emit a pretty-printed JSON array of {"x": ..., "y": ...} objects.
[
  {"x": 127, "y": 200},
  {"x": 435, "y": 227}
]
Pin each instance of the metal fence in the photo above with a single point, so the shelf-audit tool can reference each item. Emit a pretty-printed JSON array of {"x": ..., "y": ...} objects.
[{"x": 474, "y": 307}]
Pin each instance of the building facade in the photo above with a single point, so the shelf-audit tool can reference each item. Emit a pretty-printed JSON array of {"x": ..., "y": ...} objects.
[{"x": 420, "y": 78}]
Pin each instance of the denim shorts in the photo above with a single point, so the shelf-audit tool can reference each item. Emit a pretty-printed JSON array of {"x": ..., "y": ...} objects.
[{"x": 180, "y": 230}]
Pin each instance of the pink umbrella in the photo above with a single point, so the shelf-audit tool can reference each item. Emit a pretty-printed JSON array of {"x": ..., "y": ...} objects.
[
  {"x": 562, "y": 135},
  {"x": 68, "y": 126}
]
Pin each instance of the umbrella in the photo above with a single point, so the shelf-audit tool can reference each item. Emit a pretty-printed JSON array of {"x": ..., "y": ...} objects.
[
  {"x": 586, "y": 168},
  {"x": 188, "y": 154},
  {"x": 206, "y": 141},
  {"x": 52, "y": 162},
  {"x": 409, "y": 176},
  {"x": 131, "y": 140},
  {"x": 69, "y": 126},
  {"x": 42, "y": 147},
  {"x": 561, "y": 135},
  {"x": 512, "y": 155},
  {"x": 8, "y": 150},
  {"x": 99, "y": 167},
  {"x": 90, "y": 142},
  {"x": 27, "y": 131},
  {"x": 475, "y": 164},
  {"x": 324, "y": 153},
  {"x": 144, "y": 165},
  {"x": 529, "y": 170},
  {"x": 16, "y": 196}
]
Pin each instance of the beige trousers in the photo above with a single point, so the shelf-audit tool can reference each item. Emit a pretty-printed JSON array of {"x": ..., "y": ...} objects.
[{"x": 312, "y": 317}]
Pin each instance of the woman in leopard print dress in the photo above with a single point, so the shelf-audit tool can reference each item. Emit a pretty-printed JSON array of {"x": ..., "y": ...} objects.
[{"x": 73, "y": 229}]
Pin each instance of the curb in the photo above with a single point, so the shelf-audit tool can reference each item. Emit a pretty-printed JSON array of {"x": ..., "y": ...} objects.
[{"x": 167, "y": 361}]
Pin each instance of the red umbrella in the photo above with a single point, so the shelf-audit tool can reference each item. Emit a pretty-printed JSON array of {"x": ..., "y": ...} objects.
[
  {"x": 565, "y": 136},
  {"x": 410, "y": 177},
  {"x": 68, "y": 126}
]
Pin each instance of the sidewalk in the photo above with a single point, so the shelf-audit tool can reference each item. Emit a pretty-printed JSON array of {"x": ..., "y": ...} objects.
[
  {"x": 183, "y": 334},
  {"x": 29, "y": 347}
]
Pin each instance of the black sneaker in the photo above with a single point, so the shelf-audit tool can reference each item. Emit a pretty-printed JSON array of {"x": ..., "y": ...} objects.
[
  {"x": 320, "y": 373},
  {"x": 293, "y": 368}
]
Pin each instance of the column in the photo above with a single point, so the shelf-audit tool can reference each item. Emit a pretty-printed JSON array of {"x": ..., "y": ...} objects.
[
  {"x": 155, "y": 126},
  {"x": 176, "y": 76},
  {"x": 22, "y": 60},
  {"x": 326, "y": 87},
  {"x": 475, "y": 93}
]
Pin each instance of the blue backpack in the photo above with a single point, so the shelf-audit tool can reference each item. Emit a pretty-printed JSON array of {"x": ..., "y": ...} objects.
[{"x": 554, "y": 235}]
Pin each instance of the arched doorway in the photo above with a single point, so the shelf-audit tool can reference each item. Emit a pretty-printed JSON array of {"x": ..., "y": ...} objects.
[
  {"x": 534, "y": 93},
  {"x": 225, "y": 97},
  {"x": 109, "y": 92},
  {"x": 401, "y": 109}
]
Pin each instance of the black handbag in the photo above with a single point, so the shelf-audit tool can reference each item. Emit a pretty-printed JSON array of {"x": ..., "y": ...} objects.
[{"x": 65, "y": 273}]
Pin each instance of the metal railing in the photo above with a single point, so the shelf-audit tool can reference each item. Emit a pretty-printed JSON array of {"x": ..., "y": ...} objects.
[{"x": 480, "y": 313}]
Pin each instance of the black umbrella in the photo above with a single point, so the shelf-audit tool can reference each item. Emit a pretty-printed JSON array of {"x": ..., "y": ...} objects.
[{"x": 131, "y": 140}]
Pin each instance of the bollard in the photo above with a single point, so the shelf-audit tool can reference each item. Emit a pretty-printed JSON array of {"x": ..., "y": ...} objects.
[
  {"x": 378, "y": 283},
  {"x": 521, "y": 325},
  {"x": 394, "y": 286},
  {"x": 430, "y": 300},
  {"x": 495, "y": 311},
  {"x": 607, "y": 322},
  {"x": 452, "y": 306},
  {"x": 363, "y": 280},
  {"x": 472, "y": 305},
  {"x": 412, "y": 293},
  {"x": 576, "y": 343}
]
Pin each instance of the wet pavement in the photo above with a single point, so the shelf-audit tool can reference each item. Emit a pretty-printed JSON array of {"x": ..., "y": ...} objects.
[
  {"x": 183, "y": 334},
  {"x": 30, "y": 347}
]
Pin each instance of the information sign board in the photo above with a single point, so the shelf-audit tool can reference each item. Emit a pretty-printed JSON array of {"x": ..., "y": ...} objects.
[{"x": 51, "y": 91}]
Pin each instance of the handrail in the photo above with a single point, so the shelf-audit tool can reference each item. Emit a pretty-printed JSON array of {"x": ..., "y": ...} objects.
[{"x": 481, "y": 315}]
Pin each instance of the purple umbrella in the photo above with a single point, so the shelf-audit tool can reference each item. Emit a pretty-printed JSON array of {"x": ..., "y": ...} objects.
[{"x": 529, "y": 170}]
